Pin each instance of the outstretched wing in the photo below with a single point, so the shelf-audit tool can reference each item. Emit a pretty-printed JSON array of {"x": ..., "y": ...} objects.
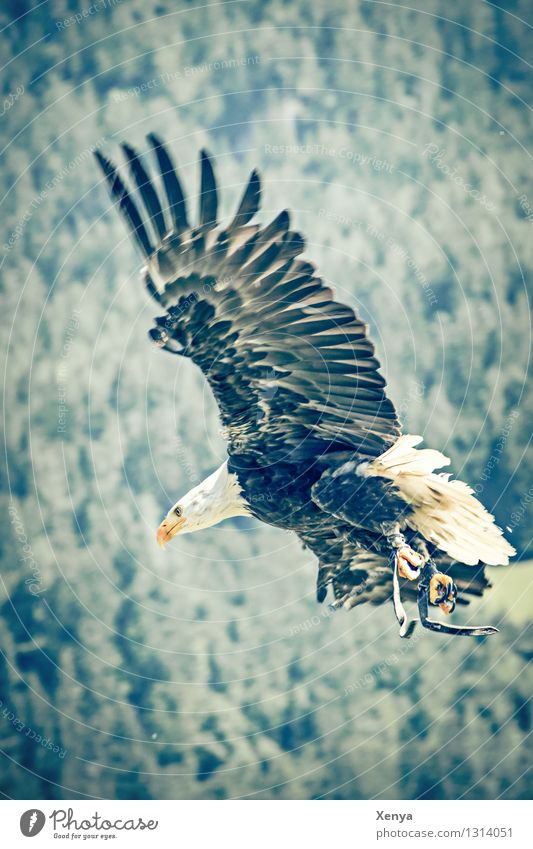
[{"x": 292, "y": 369}]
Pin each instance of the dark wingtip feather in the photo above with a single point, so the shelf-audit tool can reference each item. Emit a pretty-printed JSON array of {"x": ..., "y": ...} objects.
[
  {"x": 278, "y": 226},
  {"x": 104, "y": 164},
  {"x": 208, "y": 192},
  {"x": 146, "y": 189},
  {"x": 284, "y": 218},
  {"x": 321, "y": 593},
  {"x": 250, "y": 201},
  {"x": 174, "y": 192},
  {"x": 126, "y": 205},
  {"x": 295, "y": 243}
]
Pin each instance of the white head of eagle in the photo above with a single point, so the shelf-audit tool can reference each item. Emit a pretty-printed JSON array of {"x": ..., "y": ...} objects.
[{"x": 218, "y": 497}]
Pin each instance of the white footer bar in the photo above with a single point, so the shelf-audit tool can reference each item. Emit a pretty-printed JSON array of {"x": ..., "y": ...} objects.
[{"x": 268, "y": 824}]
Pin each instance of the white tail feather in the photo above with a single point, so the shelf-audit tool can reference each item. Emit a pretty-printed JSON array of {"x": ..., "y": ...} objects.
[{"x": 445, "y": 511}]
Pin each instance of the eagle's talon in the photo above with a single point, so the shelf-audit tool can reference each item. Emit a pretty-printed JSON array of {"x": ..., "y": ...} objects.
[
  {"x": 443, "y": 592},
  {"x": 447, "y": 607},
  {"x": 409, "y": 563}
]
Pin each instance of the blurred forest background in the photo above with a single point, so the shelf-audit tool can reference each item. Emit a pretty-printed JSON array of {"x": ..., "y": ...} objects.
[{"x": 399, "y": 138}]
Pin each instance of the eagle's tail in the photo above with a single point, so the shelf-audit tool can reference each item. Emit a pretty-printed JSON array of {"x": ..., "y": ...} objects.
[{"x": 445, "y": 511}]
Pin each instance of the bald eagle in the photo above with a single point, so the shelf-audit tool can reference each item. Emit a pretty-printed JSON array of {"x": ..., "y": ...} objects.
[{"x": 314, "y": 444}]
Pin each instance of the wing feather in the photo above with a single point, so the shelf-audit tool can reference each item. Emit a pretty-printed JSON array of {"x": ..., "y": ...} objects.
[
  {"x": 208, "y": 192},
  {"x": 177, "y": 203},
  {"x": 126, "y": 206},
  {"x": 146, "y": 190},
  {"x": 250, "y": 202}
]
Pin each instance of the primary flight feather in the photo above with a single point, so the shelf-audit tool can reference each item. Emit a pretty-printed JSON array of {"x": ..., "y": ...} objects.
[{"x": 314, "y": 444}]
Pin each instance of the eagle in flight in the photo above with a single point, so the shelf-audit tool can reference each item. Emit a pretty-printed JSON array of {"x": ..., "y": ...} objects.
[{"x": 302, "y": 403}]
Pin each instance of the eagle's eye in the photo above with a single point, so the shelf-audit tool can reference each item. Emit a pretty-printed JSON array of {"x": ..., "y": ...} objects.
[{"x": 177, "y": 511}]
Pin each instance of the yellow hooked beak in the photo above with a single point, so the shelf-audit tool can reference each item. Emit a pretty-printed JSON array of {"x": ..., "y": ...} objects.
[{"x": 167, "y": 529}]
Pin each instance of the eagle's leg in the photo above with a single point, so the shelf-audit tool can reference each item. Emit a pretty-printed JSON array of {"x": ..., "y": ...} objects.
[
  {"x": 439, "y": 589},
  {"x": 405, "y": 563}
]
